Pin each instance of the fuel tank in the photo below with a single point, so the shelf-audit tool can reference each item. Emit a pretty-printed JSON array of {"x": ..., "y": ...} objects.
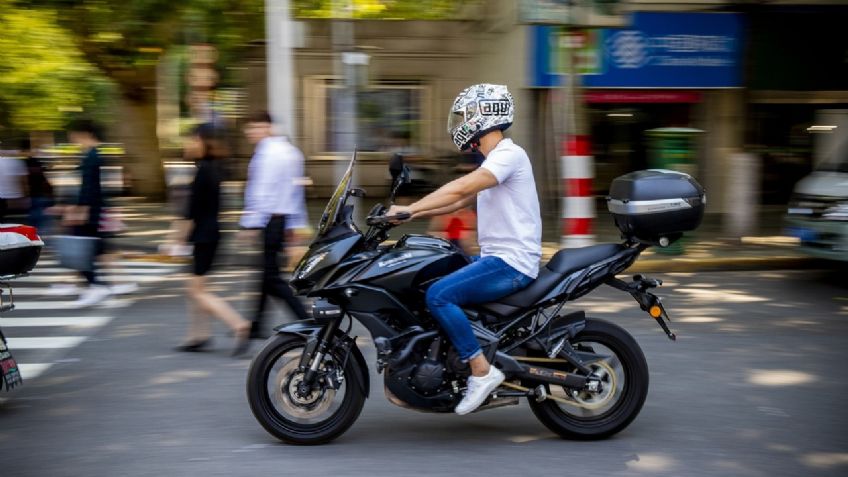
[{"x": 412, "y": 264}]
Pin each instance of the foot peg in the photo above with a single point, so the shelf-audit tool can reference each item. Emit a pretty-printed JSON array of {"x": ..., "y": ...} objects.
[{"x": 540, "y": 393}]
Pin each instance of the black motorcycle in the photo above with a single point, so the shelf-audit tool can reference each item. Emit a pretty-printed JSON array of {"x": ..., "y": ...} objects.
[{"x": 584, "y": 378}]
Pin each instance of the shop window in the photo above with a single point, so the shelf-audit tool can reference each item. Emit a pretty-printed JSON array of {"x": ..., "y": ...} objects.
[{"x": 389, "y": 115}]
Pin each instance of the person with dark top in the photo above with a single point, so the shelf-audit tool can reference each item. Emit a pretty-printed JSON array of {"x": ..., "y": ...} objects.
[
  {"x": 273, "y": 204},
  {"x": 40, "y": 190},
  {"x": 203, "y": 210},
  {"x": 84, "y": 216}
]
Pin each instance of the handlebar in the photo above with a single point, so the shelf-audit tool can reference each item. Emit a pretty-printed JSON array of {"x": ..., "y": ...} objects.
[{"x": 386, "y": 219}]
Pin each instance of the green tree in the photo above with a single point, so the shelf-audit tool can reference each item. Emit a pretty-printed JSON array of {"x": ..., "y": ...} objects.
[
  {"x": 43, "y": 77},
  {"x": 125, "y": 40},
  {"x": 379, "y": 9}
]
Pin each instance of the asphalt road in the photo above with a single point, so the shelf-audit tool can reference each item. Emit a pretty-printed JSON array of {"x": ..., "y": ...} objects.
[{"x": 754, "y": 386}]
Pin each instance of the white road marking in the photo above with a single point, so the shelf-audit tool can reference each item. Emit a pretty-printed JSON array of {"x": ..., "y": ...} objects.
[
  {"x": 104, "y": 276},
  {"x": 74, "y": 321},
  {"x": 45, "y": 342},
  {"x": 123, "y": 263},
  {"x": 70, "y": 305},
  {"x": 33, "y": 370},
  {"x": 103, "y": 270}
]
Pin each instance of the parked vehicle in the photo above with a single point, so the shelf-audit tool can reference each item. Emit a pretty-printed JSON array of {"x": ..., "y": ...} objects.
[
  {"x": 584, "y": 378},
  {"x": 818, "y": 211},
  {"x": 20, "y": 247}
]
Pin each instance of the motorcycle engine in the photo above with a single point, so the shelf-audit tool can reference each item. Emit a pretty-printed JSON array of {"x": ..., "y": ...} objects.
[
  {"x": 431, "y": 368},
  {"x": 428, "y": 376}
]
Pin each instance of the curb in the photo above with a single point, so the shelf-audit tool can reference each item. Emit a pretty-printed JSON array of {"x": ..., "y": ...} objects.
[
  {"x": 653, "y": 263},
  {"x": 725, "y": 264}
]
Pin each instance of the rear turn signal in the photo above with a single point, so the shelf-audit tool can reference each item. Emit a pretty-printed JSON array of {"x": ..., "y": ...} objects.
[{"x": 655, "y": 311}]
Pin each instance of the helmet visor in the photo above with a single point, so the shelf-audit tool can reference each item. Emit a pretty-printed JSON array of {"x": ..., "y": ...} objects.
[{"x": 455, "y": 120}]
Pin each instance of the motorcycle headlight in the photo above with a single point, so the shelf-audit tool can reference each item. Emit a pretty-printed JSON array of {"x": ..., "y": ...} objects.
[
  {"x": 309, "y": 264},
  {"x": 837, "y": 212}
]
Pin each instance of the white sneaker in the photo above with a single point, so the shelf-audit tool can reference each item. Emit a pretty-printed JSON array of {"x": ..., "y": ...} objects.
[
  {"x": 123, "y": 288},
  {"x": 478, "y": 389},
  {"x": 92, "y": 295},
  {"x": 62, "y": 289}
]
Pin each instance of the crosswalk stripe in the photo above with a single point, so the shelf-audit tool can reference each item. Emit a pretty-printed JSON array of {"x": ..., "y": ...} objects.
[
  {"x": 124, "y": 263},
  {"x": 45, "y": 342},
  {"x": 106, "y": 270},
  {"x": 74, "y": 321},
  {"x": 33, "y": 370},
  {"x": 105, "y": 277},
  {"x": 68, "y": 305},
  {"x": 49, "y": 292},
  {"x": 38, "y": 291},
  {"x": 143, "y": 263},
  {"x": 34, "y": 297}
]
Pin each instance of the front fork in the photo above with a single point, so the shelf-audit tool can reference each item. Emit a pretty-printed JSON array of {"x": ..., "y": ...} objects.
[{"x": 313, "y": 355}]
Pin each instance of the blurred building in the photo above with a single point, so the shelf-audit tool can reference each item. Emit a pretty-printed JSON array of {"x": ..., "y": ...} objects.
[{"x": 751, "y": 76}]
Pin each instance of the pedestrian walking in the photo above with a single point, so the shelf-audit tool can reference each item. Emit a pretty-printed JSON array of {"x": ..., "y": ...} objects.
[
  {"x": 13, "y": 178},
  {"x": 84, "y": 216},
  {"x": 91, "y": 221},
  {"x": 273, "y": 204},
  {"x": 203, "y": 210},
  {"x": 40, "y": 190}
]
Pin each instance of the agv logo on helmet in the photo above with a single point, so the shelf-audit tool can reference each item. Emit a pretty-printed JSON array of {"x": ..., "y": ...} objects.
[{"x": 495, "y": 107}]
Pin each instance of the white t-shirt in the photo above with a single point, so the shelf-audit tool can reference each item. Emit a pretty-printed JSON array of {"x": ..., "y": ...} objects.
[
  {"x": 509, "y": 225},
  {"x": 274, "y": 185}
]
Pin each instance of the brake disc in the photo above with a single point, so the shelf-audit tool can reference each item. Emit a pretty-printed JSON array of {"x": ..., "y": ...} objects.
[{"x": 286, "y": 383}]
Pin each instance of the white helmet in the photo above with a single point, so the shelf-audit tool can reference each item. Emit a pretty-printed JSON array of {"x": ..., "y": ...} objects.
[{"x": 478, "y": 110}]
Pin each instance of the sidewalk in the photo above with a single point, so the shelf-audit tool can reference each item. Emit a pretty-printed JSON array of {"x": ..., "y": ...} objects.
[{"x": 148, "y": 225}]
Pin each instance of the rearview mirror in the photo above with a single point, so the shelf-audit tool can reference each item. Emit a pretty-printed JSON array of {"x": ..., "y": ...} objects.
[
  {"x": 400, "y": 175},
  {"x": 396, "y": 165}
]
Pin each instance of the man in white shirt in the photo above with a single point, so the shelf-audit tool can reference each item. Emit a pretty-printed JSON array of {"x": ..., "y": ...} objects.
[
  {"x": 509, "y": 227},
  {"x": 273, "y": 204}
]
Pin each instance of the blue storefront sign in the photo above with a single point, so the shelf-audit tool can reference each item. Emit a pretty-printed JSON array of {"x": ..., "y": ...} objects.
[{"x": 656, "y": 50}]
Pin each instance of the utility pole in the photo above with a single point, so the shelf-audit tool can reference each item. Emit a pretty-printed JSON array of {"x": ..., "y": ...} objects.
[
  {"x": 344, "y": 98},
  {"x": 576, "y": 164},
  {"x": 280, "y": 70}
]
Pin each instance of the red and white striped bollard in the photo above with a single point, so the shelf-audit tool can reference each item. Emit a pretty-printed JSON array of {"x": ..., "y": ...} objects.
[{"x": 578, "y": 205}]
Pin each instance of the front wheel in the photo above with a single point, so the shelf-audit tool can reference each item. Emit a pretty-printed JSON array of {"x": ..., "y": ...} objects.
[
  {"x": 624, "y": 378},
  {"x": 296, "y": 417}
]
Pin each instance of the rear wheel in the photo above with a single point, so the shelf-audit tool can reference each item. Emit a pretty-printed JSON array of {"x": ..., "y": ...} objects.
[
  {"x": 314, "y": 417},
  {"x": 624, "y": 378}
]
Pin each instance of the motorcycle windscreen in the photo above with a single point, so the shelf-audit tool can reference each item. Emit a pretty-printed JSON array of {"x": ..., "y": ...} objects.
[{"x": 337, "y": 202}]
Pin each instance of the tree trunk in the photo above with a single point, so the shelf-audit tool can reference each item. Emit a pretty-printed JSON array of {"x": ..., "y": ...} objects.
[{"x": 136, "y": 128}]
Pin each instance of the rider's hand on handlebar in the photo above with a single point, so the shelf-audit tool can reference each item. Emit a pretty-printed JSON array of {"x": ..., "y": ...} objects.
[{"x": 400, "y": 209}]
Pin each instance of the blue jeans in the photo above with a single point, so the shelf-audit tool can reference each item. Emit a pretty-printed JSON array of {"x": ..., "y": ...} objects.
[{"x": 485, "y": 280}]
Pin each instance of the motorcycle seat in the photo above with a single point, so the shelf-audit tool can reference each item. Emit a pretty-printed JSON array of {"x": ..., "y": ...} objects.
[
  {"x": 562, "y": 264},
  {"x": 570, "y": 260}
]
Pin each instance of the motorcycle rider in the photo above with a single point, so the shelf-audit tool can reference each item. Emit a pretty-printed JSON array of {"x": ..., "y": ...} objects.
[{"x": 509, "y": 227}]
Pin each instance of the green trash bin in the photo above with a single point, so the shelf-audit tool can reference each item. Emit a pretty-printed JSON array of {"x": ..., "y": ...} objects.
[{"x": 673, "y": 149}]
